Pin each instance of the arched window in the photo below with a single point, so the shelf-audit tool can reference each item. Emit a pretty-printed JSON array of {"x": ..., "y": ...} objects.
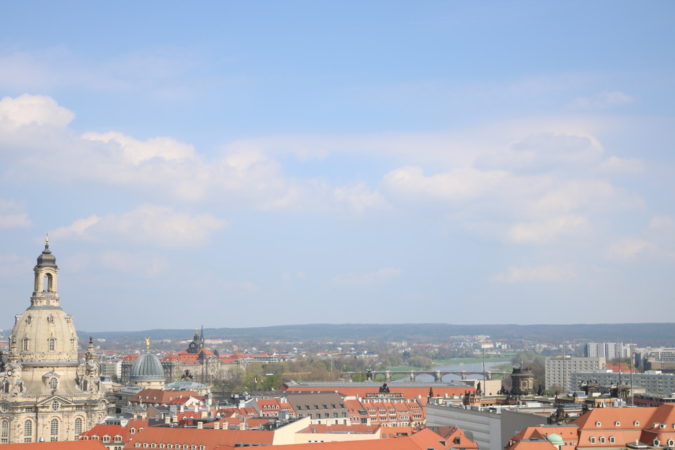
[
  {"x": 52, "y": 344},
  {"x": 53, "y": 383},
  {"x": 28, "y": 431},
  {"x": 54, "y": 430},
  {"x": 78, "y": 426},
  {"x": 25, "y": 344},
  {"x": 4, "y": 432},
  {"x": 47, "y": 283}
]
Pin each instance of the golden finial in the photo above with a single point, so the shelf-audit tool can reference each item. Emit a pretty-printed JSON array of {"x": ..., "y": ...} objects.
[{"x": 147, "y": 344}]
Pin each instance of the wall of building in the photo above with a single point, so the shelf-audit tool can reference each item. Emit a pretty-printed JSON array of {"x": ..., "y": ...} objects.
[{"x": 484, "y": 426}]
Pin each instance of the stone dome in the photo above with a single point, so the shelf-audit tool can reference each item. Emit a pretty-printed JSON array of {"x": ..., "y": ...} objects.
[
  {"x": 45, "y": 335},
  {"x": 147, "y": 368},
  {"x": 555, "y": 439}
]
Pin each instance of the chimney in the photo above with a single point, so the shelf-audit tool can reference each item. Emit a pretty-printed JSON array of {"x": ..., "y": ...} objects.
[
  {"x": 167, "y": 419},
  {"x": 216, "y": 425},
  {"x": 200, "y": 425}
]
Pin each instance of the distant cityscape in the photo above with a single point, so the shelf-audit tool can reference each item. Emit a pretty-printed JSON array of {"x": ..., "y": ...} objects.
[{"x": 464, "y": 392}]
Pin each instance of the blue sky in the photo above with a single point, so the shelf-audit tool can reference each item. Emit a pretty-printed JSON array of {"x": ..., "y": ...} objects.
[{"x": 262, "y": 163}]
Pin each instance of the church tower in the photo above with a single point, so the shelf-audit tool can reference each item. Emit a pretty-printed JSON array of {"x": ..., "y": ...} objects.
[{"x": 46, "y": 393}]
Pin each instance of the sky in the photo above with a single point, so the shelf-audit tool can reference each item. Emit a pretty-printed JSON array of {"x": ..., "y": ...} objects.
[{"x": 256, "y": 163}]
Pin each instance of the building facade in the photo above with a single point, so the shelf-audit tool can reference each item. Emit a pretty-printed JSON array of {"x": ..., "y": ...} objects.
[
  {"x": 609, "y": 350},
  {"x": 46, "y": 393},
  {"x": 559, "y": 370},
  {"x": 656, "y": 383}
]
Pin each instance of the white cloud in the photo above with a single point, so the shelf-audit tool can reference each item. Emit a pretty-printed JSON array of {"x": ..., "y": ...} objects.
[
  {"x": 158, "y": 73},
  {"x": 535, "y": 274},
  {"x": 136, "y": 152},
  {"x": 77, "y": 229},
  {"x": 627, "y": 249},
  {"x": 157, "y": 225},
  {"x": 146, "y": 264},
  {"x": 662, "y": 223},
  {"x": 545, "y": 151},
  {"x": 358, "y": 197},
  {"x": 603, "y": 100},
  {"x": 460, "y": 184},
  {"x": 12, "y": 265},
  {"x": 546, "y": 230},
  {"x": 367, "y": 279},
  {"x": 12, "y": 216},
  {"x": 615, "y": 164},
  {"x": 33, "y": 110}
]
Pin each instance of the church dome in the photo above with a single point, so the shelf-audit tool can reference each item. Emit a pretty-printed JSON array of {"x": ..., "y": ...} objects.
[
  {"x": 555, "y": 439},
  {"x": 147, "y": 368},
  {"x": 44, "y": 333}
]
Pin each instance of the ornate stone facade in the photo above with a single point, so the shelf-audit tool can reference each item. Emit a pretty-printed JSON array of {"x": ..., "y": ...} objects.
[{"x": 46, "y": 393}]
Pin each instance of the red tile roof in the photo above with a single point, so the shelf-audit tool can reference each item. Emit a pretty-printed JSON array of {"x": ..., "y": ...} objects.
[
  {"x": 163, "y": 397},
  {"x": 209, "y": 438},
  {"x": 61, "y": 445}
]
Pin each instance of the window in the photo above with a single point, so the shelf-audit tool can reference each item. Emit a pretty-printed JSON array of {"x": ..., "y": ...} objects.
[
  {"x": 4, "y": 434},
  {"x": 592, "y": 440},
  {"x": 657, "y": 443},
  {"x": 636, "y": 423},
  {"x": 78, "y": 426},
  {"x": 52, "y": 344},
  {"x": 598, "y": 424},
  {"x": 612, "y": 439},
  {"x": 602, "y": 439},
  {"x": 54, "y": 429},
  {"x": 27, "y": 430},
  {"x": 53, "y": 384},
  {"x": 671, "y": 442},
  {"x": 617, "y": 424},
  {"x": 118, "y": 438},
  {"x": 55, "y": 405},
  {"x": 25, "y": 345}
]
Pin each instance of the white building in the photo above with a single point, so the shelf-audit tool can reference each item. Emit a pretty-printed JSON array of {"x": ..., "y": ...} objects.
[
  {"x": 609, "y": 350},
  {"x": 559, "y": 369}
]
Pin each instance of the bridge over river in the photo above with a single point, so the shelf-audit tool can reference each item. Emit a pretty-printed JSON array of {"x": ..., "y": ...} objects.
[{"x": 437, "y": 375}]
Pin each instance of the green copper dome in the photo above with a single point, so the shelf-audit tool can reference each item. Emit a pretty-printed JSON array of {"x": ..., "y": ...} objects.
[{"x": 555, "y": 439}]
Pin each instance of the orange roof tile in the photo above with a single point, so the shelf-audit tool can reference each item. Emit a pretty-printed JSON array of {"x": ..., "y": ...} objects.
[
  {"x": 210, "y": 438},
  {"x": 62, "y": 445}
]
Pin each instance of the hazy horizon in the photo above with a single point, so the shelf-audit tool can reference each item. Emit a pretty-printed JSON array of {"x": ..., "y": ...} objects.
[{"x": 241, "y": 164}]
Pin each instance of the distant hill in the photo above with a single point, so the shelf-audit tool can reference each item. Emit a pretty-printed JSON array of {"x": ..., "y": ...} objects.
[{"x": 639, "y": 333}]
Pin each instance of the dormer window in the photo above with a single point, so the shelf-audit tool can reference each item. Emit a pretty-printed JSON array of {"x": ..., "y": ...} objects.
[
  {"x": 636, "y": 423},
  {"x": 53, "y": 383},
  {"x": 598, "y": 424},
  {"x": 52, "y": 344},
  {"x": 617, "y": 424}
]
